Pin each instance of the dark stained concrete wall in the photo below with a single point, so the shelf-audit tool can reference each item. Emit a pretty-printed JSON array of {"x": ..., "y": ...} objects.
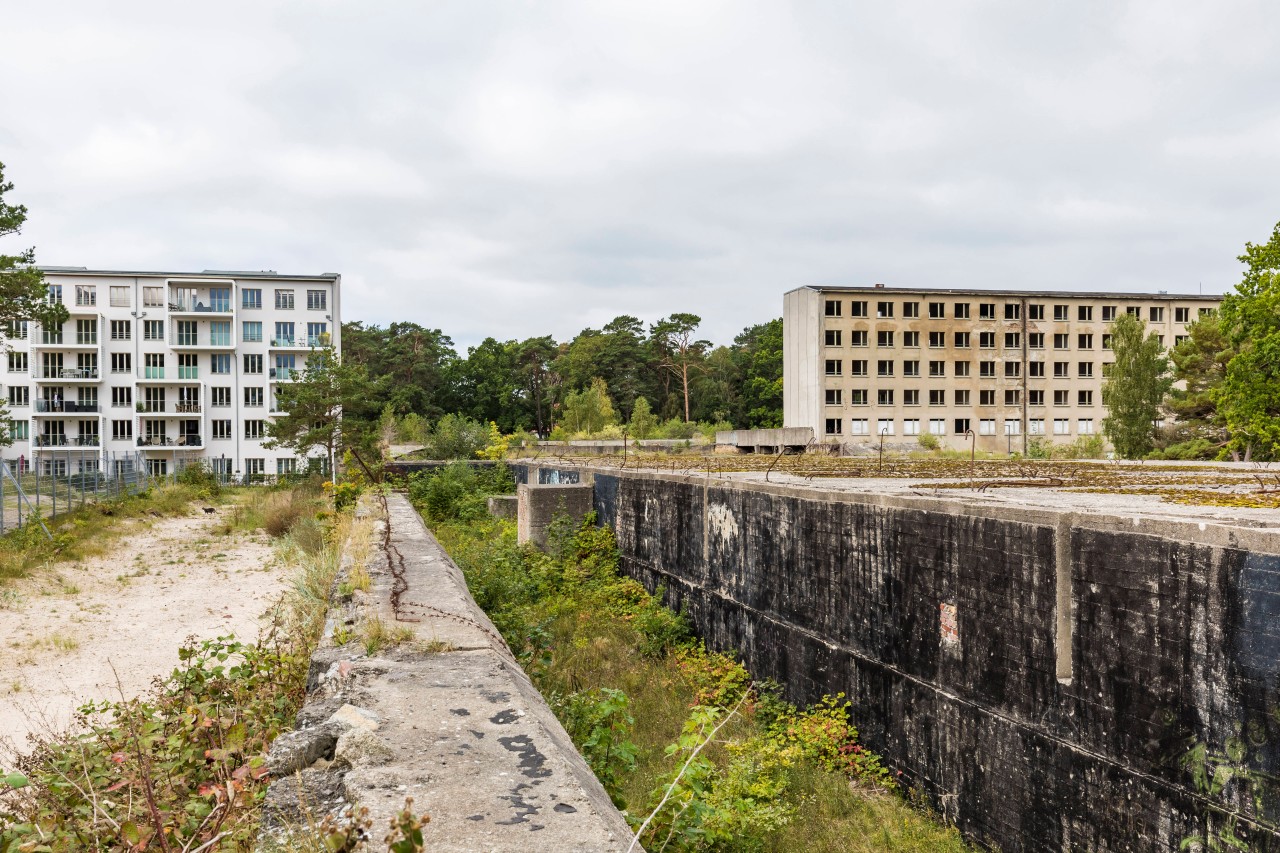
[{"x": 1171, "y": 636}]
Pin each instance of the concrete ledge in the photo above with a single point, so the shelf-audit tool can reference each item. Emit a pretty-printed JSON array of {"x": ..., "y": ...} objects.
[{"x": 446, "y": 717}]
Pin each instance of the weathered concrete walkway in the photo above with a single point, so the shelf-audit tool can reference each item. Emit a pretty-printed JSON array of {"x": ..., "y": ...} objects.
[{"x": 448, "y": 719}]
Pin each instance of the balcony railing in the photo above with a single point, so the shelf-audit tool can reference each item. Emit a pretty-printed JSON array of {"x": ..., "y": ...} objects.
[
  {"x": 284, "y": 374},
  {"x": 156, "y": 407},
  {"x": 67, "y": 441},
  {"x": 65, "y": 406},
  {"x": 40, "y": 372},
  {"x": 166, "y": 441},
  {"x": 302, "y": 341}
]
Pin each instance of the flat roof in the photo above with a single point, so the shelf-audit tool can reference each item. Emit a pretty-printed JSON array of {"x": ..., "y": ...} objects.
[
  {"x": 256, "y": 274},
  {"x": 1056, "y": 294}
]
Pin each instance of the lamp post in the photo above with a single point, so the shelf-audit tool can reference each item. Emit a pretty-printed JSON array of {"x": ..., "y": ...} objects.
[{"x": 883, "y": 430}]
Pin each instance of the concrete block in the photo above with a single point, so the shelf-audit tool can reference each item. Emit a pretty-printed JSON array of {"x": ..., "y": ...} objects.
[
  {"x": 504, "y": 507},
  {"x": 540, "y": 505}
]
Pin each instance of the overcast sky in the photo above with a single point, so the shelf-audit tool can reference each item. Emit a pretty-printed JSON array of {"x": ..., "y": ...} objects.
[{"x": 524, "y": 168}]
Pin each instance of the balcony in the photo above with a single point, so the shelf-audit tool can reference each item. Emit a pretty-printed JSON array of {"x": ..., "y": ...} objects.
[
  {"x": 207, "y": 340},
  {"x": 308, "y": 342},
  {"x": 284, "y": 374},
  {"x": 200, "y": 300},
  {"x": 65, "y": 407},
  {"x": 65, "y": 374},
  {"x": 161, "y": 408},
  {"x": 67, "y": 441},
  {"x": 163, "y": 442}
]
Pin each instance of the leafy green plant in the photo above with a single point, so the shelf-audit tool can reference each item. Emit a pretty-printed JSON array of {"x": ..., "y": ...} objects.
[{"x": 600, "y": 723}]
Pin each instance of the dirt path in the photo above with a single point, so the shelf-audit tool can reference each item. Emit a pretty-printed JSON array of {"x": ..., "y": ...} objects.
[{"x": 63, "y": 631}]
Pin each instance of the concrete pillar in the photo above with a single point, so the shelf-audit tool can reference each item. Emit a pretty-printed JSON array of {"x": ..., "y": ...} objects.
[
  {"x": 540, "y": 505},
  {"x": 504, "y": 507}
]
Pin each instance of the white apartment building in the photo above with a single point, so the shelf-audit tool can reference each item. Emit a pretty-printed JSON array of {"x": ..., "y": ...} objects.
[
  {"x": 162, "y": 368},
  {"x": 984, "y": 368}
]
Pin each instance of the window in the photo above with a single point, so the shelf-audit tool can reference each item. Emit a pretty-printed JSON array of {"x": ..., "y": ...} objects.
[
  {"x": 962, "y": 398},
  {"x": 121, "y": 330},
  {"x": 253, "y": 397},
  {"x": 253, "y": 429},
  {"x": 1035, "y": 397},
  {"x": 1061, "y": 369},
  {"x": 911, "y": 339},
  {"x": 19, "y": 395},
  {"x": 1084, "y": 398},
  {"x": 987, "y": 369},
  {"x": 1182, "y": 315},
  {"x": 884, "y": 368},
  {"x": 16, "y": 330},
  {"x": 962, "y": 369},
  {"x": 857, "y": 308},
  {"x": 833, "y": 426},
  {"x": 911, "y": 368},
  {"x": 1062, "y": 341},
  {"x": 250, "y": 297},
  {"x": 937, "y": 368},
  {"x": 119, "y": 296},
  {"x": 832, "y": 307},
  {"x": 833, "y": 366},
  {"x": 1013, "y": 397},
  {"x": 317, "y": 300},
  {"x": 153, "y": 330},
  {"x": 1061, "y": 398},
  {"x": 962, "y": 426},
  {"x": 153, "y": 297},
  {"x": 884, "y": 339},
  {"x": 911, "y": 310},
  {"x": 937, "y": 310},
  {"x": 1035, "y": 426},
  {"x": 937, "y": 340},
  {"x": 987, "y": 340},
  {"x": 1012, "y": 311},
  {"x": 1084, "y": 313},
  {"x": 1035, "y": 312},
  {"x": 1061, "y": 426},
  {"x": 251, "y": 331},
  {"x": 858, "y": 397},
  {"x": 253, "y": 364},
  {"x": 283, "y": 336},
  {"x": 1106, "y": 342},
  {"x": 86, "y": 295},
  {"x": 858, "y": 367},
  {"x": 986, "y": 310},
  {"x": 884, "y": 426},
  {"x": 911, "y": 426},
  {"x": 884, "y": 397},
  {"x": 1012, "y": 369},
  {"x": 18, "y": 362},
  {"x": 962, "y": 340},
  {"x": 220, "y": 395},
  {"x": 884, "y": 309},
  {"x": 937, "y": 397},
  {"x": 1060, "y": 312},
  {"x": 87, "y": 332},
  {"x": 122, "y": 430},
  {"x": 220, "y": 429},
  {"x": 911, "y": 397},
  {"x": 53, "y": 293},
  {"x": 1012, "y": 426},
  {"x": 1012, "y": 340},
  {"x": 1205, "y": 312},
  {"x": 284, "y": 300},
  {"x": 188, "y": 333},
  {"x": 1084, "y": 342},
  {"x": 987, "y": 397},
  {"x": 962, "y": 310},
  {"x": 987, "y": 426},
  {"x": 285, "y": 467},
  {"x": 858, "y": 339},
  {"x": 1177, "y": 339},
  {"x": 19, "y": 430},
  {"x": 1085, "y": 370},
  {"x": 153, "y": 365},
  {"x": 937, "y": 426},
  {"x": 1133, "y": 311},
  {"x": 833, "y": 396},
  {"x": 1108, "y": 313},
  {"x": 1035, "y": 340},
  {"x": 1156, "y": 314},
  {"x": 122, "y": 396},
  {"x": 1107, "y": 367},
  {"x": 220, "y": 333},
  {"x": 1035, "y": 369},
  {"x": 284, "y": 368},
  {"x": 858, "y": 426},
  {"x": 220, "y": 364},
  {"x": 1084, "y": 426}
]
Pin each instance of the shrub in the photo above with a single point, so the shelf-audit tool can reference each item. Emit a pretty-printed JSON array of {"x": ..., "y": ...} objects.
[
  {"x": 456, "y": 437},
  {"x": 281, "y": 513},
  {"x": 599, "y": 722},
  {"x": 929, "y": 441}
]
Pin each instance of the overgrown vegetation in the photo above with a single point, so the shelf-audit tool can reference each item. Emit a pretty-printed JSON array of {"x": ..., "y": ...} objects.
[
  {"x": 676, "y": 733},
  {"x": 183, "y": 768}
]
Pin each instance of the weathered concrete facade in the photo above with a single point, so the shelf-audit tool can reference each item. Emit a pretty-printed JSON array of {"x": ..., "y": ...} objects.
[
  {"x": 540, "y": 505},
  {"x": 1050, "y": 679}
]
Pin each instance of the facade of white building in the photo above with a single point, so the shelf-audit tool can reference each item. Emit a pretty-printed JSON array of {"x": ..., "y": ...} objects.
[{"x": 162, "y": 368}]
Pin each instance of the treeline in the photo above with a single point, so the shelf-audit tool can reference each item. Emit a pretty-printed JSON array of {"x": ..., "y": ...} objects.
[{"x": 623, "y": 372}]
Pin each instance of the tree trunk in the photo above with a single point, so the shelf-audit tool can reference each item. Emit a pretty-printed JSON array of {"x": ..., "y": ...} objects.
[{"x": 684, "y": 379}]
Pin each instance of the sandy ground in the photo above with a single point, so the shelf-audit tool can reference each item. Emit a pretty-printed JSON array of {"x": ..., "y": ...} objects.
[{"x": 65, "y": 630}]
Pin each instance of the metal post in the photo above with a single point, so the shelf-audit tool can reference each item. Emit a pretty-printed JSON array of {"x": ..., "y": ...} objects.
[
  {"x": 973, "y": 449},
  {"x": 882, "y": 432}
]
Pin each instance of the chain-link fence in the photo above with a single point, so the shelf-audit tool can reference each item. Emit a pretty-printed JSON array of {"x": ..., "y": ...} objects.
[{"x": 60, "y": 482}]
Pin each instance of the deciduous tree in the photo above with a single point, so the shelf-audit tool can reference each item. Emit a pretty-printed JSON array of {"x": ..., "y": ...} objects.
[{"x": 1135, "y": 388}]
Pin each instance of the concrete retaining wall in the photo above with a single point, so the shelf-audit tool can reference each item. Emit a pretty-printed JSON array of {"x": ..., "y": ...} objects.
[{"x": 1047, "y": 678}]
